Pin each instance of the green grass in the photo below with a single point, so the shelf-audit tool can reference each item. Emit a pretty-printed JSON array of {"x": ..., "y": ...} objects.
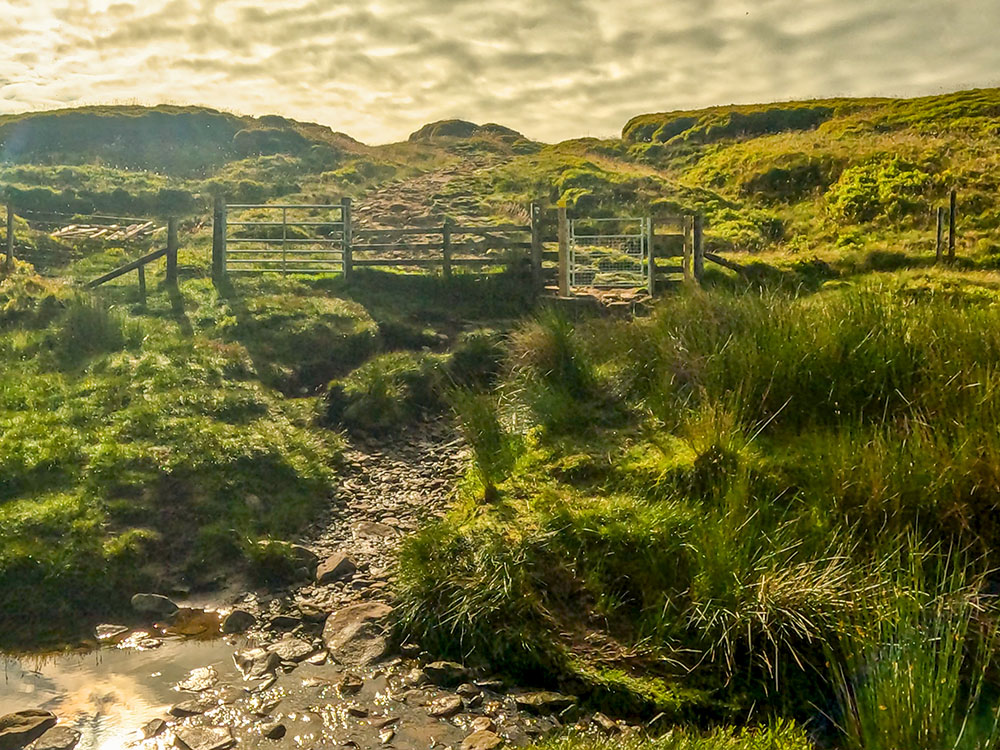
[{"x": 780, "y": 736}]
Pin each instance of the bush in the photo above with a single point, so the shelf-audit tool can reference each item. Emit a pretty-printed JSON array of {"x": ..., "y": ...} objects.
[{"x": 889, "y": 189}]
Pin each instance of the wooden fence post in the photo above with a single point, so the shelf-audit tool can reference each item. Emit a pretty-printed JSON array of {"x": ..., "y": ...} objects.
[
  {"x": 650, "y": 256},
  {"x": 563, "y": 252},
  {"x": 172, "y": 251},
  {"x": 446, "y": 248},
  {"x": 699, "y": 248},
  {"x": 348, "y": 254},
  {"x": 939, "y": 244},
  {"x": 537, "y": 279},
  {"x": 953, "y": 212},
  {"x": 219, "y": 219},
  {"x": 10, "y": 235},
  {"x": 687, "y": 257},
  {"x": 142, "y": 284}
]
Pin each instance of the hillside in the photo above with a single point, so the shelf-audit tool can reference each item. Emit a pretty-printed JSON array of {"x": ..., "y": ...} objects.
[{"x": 726, "y": 511}]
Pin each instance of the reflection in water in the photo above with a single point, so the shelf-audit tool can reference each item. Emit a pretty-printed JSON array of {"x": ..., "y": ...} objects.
[{"x": 108, "y": 693}]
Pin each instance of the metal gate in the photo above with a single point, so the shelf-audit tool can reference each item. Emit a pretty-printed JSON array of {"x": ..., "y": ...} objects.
[
  {"x": 292, "y": 238},
  {"x": 605, "y": 253}
]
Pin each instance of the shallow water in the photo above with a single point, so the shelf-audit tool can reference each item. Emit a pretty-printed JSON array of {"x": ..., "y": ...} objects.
[{"x": 109, "y": 692}]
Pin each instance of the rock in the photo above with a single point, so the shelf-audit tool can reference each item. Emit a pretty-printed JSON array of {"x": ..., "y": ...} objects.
[
  {"x": 20, "y": 728},
  {"x": 358, "y": 712},
  {"x": 543, "y": 702},
  {"x": 493, "y": 685},
  {"x": 238, "y": 621},
  {"x": 189, "y": 708},
  {"x": 373, "y": 529},
  {"x": 229, "y": 695},
  {"x": 483, "y": 724},
  {"x": 274, "y": 730},
  {"x": 350, "y": 684},
  {"x": 153, "y": 729},
  {"x": 410, "y": 649},
  {"x": 416, "y": 677},
  {"x": 284, "y": 622},
  {"x": 354, "y": 635},
  {"x": 445, "y": 707},
  {"x": 204, "y": 738},
  {"x": 107, "y": 632},
  {"x": 199, "y": 680},
  {"x": 606, "y": 723},
  {"x": 318, "y": 659},
  {"x": 446, "y": 673},
  {"x": 483, "y": 740},
  {"x": 386, "y": 735},
  {"x": 153, "y": 605},
  {"x": 335, "y": 568},
  {"x": 292, "y": 649},
  {"x": 256, "y": 662},
  {"x": 312, "y": 613},
  {"x": 57, "y": 738},
  {"x": 467, "y": 690}
]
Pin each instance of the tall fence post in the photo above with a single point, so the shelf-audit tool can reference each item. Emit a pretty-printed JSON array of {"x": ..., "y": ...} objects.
[
  {"x": 563, "y": 252},
  {"x": 348, "y": 259},
  {"x": 172, "y": 251},
  {"x": 650, "y": 256},
  {"x": 446, "y": 248},
  {"x": 687, "y": 256},
  {"x": 953, "y": 212},
  {"x": 10, "y": 235},
  {"x": 699, "y": 248},
  {"x": 536, "y": 246},
  {"x": 142, "y": 283},
  {"x": 939, "y": 244},
  {"x": 219, "y": 220}
]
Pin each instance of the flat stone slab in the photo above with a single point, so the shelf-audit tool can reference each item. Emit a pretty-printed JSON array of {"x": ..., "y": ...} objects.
[
  {"x": 199, "y": 680},
  {"x": 57, "y": 738},
  {"x": 23, "y": 727},
  {"x": 204, "y": 738},
  {"x": 293, "y": 649},
  {"x": 355, "y": 635}
]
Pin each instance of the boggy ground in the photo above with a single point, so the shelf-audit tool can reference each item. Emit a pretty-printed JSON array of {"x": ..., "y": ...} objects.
[{"x": 316, "y": 665}]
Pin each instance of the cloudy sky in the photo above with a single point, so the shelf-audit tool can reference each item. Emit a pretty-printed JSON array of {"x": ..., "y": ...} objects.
[{"x": 551, "y": 68}]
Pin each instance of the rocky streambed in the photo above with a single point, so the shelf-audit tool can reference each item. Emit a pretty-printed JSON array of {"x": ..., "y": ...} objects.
[{"x": 307, "y": 666}]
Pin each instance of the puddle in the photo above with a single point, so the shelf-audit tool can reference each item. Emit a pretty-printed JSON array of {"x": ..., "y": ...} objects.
[{"x": 109, "y": 692}]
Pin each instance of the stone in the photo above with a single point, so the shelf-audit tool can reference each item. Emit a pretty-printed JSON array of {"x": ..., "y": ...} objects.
[
  {"x": 293, "y": 649},
  {"x": 204, "y": 738},
  {"x": 355, "y": 636},
  {"x": 20, "y": 728},
  {"x": 153, "y": 605},
  {"x": 543, "y": 702},
  {"x": 255, "y": 663},
  {"x": 374, "y": 529},
  {"x": 107, "y": 631},
  {"x": 606, "y": 723},
  {"x": 482, "y": 740},
  {"x": 446, "y": 673},
  {"x": 350, "y": 684},
  {"x": 284, "y": 622},
  {"x": 199, "y": 680},
  {"x": 274, "y": 730},
  {"x": 445, "y": 707},
  {"x": 189, "y": 708},
  {"x": 318, "y": 659},
  {"x": 467, "y": 690},
  {"x": 386, "y": 735},
  {"x": 334, "y": 568},
  {"x": 238, "y": 621},
  {"x": 416, "y": 677},
  {"x": 153, "y": 729},
  {"x": 483, "y": 724},
  {"x": 358, "y": 712},
  {"x": 57, "y": 738}
]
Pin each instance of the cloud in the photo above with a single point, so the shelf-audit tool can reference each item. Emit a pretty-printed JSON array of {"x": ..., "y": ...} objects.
[{"x": 550, "y": 68}]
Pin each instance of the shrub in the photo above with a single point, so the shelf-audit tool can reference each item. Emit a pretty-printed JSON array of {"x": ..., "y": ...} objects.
[{"x": 889, "y": 188}]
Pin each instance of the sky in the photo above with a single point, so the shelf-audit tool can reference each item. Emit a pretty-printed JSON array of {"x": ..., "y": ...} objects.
[{"x": 553, "y": 69}]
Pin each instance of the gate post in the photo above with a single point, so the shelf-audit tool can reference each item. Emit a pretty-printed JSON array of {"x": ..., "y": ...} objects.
[
  {"x": 172, "y": 251},
  {"x": 650, "y": 257},
  {"x": 536, "y": 247},
  {"x": 563, "y": 253},
  {"x": 219, "y": 219},
  {"x": 699, "y": 248},
  {"x": 688, "y": 255},
  {"x": 348, "y": 258}
]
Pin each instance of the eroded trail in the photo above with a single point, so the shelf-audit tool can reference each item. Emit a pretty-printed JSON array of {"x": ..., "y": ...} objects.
[{"x": 312, "y": 667}]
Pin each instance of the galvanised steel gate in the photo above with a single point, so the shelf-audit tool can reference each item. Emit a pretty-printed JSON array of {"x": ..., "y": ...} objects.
[
  {"x": 606, "y": 253},
  {"x": 286, "y": 238}
]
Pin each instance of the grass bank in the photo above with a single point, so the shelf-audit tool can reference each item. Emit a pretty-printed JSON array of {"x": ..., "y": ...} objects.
[{"x": 698, "y": 514}]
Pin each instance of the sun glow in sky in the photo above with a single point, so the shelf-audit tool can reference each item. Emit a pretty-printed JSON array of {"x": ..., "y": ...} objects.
[{"x": 552, "y": 69}]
